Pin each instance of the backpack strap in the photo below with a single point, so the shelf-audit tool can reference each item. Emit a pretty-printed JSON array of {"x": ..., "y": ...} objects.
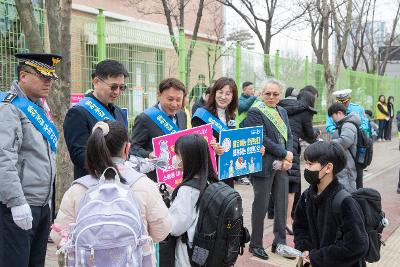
[
  {"x": 86, "y": 181},
  {"x": 336, "y": 207},
  {"x": 357, "y": 133}
]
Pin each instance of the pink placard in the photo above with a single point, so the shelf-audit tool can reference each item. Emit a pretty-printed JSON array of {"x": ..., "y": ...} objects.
[
  {"x": 164, "y": 147},
  {"x": 76, "y": 97}
]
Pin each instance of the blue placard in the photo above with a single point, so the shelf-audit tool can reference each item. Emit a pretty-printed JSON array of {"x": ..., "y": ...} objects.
[{"x": 241, "y": 152}]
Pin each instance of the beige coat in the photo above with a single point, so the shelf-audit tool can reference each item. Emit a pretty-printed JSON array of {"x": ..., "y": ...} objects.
[{"x": 152, "y": 208}]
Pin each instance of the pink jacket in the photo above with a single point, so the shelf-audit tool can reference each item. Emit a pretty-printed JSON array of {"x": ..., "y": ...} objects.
[{"x": 153, "y": 210}]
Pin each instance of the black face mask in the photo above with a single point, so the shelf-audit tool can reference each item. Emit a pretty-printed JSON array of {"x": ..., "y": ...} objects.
[{"x": 312, "y": 177}]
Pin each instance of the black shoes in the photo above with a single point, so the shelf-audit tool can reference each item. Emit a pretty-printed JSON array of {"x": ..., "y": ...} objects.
[
  {"x": 289, "y": 231},
  {"x": 259, "y": 253}
]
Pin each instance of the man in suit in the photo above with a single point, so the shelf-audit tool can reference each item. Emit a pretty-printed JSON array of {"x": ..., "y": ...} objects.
[
  {"x": 108, "y": 84},
  {"x": 171, "y": 93}
]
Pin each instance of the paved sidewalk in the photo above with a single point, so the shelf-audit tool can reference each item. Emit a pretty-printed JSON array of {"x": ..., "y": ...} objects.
[{"x": 381, "y": 175}]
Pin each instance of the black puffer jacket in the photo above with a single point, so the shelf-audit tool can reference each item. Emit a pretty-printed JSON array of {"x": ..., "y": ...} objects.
[
  {"x": 315, "y": 227},
  {"x": 300, "y": 119}
]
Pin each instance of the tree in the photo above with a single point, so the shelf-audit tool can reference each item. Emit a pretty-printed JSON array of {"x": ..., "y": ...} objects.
[
  {"x": 261, "y": 20},
  {"x": 59, "y": 23},
  {"x": 243, "y": 36},
  {"x": 358, "y": 32},
  {"x": 392, "y": 38},
  {"x": 329, "y": 12},
  {"x": 174, "y": 12}
]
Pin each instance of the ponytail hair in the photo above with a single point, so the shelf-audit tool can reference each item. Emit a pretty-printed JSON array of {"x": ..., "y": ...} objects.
[{"x": 106, "y": 141}]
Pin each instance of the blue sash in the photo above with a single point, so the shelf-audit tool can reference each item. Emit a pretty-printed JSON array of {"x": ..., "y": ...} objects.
[
  {"x": 98, "y": 111},
  {"x": 207, "y": 117},
  {"x": 162, "y": 120},
  {"x": 37, "y": 117}
]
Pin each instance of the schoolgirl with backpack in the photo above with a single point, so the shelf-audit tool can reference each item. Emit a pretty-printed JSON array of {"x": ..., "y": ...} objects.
[
  {"x": 112, "y": 216},
  {"x": 206, "y": 214}
]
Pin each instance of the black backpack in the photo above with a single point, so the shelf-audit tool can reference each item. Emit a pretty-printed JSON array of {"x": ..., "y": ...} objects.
[
  {"x": 374, "y": 218},
  {"x": 365, "y": 149},
  {"x": 220, "y": 236}
]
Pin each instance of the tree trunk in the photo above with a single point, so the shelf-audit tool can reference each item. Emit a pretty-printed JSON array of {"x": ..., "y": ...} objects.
[
  {"x": 267, "y": 50},
  {"x": 59, "y": 99},
  {"x": 29, "y": 25}
]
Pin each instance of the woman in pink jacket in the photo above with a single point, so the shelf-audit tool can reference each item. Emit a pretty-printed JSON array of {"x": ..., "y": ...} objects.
[{"x": 108, "y": 146}]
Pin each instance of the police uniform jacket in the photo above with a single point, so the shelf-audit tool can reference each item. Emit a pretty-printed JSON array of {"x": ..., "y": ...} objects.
[{"x": 27, "y": 163}]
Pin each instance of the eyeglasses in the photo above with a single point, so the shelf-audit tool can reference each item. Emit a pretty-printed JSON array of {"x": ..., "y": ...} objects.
[
  {"x": 114, "y": 86},
  {"x": 269, "y": 94}
]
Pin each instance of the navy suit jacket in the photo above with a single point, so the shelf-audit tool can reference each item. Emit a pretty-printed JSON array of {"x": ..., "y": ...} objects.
[
  {"x": 143, "y": 132},
  {"x": 78, "y": 125},
  {"x": 273, "y": 149}
]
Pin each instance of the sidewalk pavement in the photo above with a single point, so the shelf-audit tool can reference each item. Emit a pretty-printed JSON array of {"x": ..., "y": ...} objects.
[{"x": 382, "y": 175}]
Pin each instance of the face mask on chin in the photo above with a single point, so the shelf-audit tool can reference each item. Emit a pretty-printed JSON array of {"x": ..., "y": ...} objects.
[{"x": 312, "y": 177}]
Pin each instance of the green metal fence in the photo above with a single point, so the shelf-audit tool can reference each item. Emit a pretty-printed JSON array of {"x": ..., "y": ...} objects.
[{"x": 150, "y": 57}]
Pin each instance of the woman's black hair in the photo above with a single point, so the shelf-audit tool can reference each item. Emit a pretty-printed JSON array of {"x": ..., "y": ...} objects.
[
  {"x": 195, "y": 155},
  {"x": 390, "y": 98},
  {"x": 289, "y": 91},
  {"x": 100, "y": 149},
  {"x": 307, "y": 99},
  {"x": 324, "y": 152},
  {"x": 379, "y": 98}
]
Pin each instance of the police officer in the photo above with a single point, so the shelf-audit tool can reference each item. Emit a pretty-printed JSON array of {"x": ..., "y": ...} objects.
[
  {"x": 28, "y": 142},
  {"x": 344, "y": 96},
  {"x": 108, "y": 84}
]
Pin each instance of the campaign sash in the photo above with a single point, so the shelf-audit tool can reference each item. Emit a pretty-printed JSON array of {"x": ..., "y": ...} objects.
[
  {"x": 207, "y": 117},
  {"x": 36, "y": 115},
  {"x": 162, "y": 120},
  {"x": 273, "y": 116},
  {"x": 97, "y": 110}
]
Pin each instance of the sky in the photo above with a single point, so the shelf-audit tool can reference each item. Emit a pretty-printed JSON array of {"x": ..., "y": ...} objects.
[{"x": 295, "y": 42}]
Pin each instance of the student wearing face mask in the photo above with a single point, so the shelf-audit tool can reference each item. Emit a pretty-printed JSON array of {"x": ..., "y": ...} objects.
[{"x": 315, "y": 229}]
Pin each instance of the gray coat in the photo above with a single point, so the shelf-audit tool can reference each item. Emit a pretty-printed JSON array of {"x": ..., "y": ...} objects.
[
  {"x": 27, "y": 163},
  {"x": 348, "y": 139}
]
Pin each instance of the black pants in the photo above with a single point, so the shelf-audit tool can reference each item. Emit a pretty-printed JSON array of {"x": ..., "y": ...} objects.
[
  {"x": 20, "y": 248},
  {"x": 359, "y": 179},
  {"x": 388, "y": 130}
]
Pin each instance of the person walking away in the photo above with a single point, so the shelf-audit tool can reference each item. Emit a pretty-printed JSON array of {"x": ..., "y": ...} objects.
[
  {"x": 108, "y": 81},
  {"x": 382, "y": 116},
  {"x": 388, "y": 128},
  {"x": 300, "y": 112},
  {"x": 315, "y": 227},
  {"x": 344, "y": 97},
  {"x": 346, "y": 135},
  {"x": 278, "y": 142},
  {"x": 108, "y": 146},
  {"x": 28, "y": 142}
]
